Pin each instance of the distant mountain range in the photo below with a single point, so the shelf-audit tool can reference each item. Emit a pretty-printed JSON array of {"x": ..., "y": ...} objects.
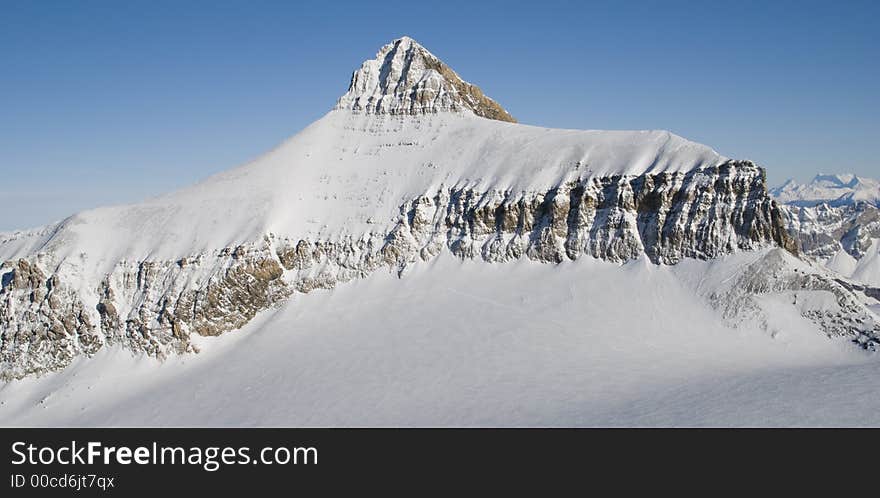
[
  {"x": 836, "y": 221},
  {"x": 834, "y": 190}
]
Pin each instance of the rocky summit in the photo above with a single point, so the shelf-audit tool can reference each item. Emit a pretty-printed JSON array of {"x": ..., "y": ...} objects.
[{"x": 405, "y": 78}]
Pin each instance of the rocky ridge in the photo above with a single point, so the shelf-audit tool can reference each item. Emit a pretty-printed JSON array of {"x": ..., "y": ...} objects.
[{"x": 822, "y": 230}]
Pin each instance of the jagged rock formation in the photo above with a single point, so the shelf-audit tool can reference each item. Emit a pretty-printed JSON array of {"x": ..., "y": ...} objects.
[
  {"x": 43, "y": 323},
  {"x": 667, "y": 216},
  {"x": 405, "y": 78},
  {"x": 823, "y": 230},
  {"x": 148, "y": 306}
]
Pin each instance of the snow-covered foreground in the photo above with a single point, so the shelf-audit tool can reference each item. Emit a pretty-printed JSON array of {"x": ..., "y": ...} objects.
[{"x": 583, "y": 343}]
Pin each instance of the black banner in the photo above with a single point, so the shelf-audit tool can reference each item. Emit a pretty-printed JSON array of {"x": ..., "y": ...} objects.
[{"x": 126, "y": 462}]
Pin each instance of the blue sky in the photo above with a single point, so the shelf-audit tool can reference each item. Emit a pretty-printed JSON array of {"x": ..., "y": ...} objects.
[{"x": 107, "y": 102}]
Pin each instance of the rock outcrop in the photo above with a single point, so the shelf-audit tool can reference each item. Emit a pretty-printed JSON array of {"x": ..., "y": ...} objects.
[
  {"x": 405, "y": 78},
  {"x": 821, "y": 231},
  {"x": 43, "y": 323}
]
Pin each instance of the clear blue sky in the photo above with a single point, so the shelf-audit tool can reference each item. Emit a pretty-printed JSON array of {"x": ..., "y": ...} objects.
[{"x": 106, "y": 102}]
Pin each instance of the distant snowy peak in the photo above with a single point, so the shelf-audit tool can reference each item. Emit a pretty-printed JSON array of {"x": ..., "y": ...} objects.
[
  {"x": 405, "y": 78},
  {"x": 835, "y": 190}
]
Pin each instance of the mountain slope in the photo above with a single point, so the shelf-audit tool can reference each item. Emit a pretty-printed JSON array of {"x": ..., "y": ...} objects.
[
  {"x": 416, "y": 173},
  {"x": 867, "y": 270},
  {"x": 355, "y": 193},
  {"x": 462, "y": 343},
  {"x": 364, "y": 188},
  {"x": 347, "y": 168}
]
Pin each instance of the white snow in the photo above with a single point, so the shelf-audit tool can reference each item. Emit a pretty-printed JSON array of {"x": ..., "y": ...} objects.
[
  {"x": 456, "y": 343},
  {"x": 843, "y": 263},
  {"x": 868, "y": 269},
  {"x": 865, "y": 270},
  {"x": 344, "y": 170}
]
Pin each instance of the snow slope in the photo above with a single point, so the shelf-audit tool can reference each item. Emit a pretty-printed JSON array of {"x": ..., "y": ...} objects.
[
  {"x": 865, "y": 270},
  {"x": 868, "y": 268},
  {"x": 346, "y": 169},
  {"x": 462, "y": 343}
]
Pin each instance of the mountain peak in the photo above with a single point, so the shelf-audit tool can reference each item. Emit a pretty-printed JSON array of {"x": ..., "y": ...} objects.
[
  {"x": 405, "y": 78},
  {"x": 834, "y": 189},
  {"x": 837, "y": 180}
]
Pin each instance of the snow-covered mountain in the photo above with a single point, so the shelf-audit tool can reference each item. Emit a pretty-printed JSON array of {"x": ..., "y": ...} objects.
[
  {"x": 824, "y": 230},
  {"x": 836, "y": 221},
  {"x": 834, "y": 190},
  {"x": 414, "y": 174}
]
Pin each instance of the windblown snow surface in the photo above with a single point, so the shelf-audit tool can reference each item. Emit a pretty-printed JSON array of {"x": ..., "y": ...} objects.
[
  {"x": 350, "y": 173},
  {"x": 585, "y": 343},
  {"x": 867, "y": 270}
]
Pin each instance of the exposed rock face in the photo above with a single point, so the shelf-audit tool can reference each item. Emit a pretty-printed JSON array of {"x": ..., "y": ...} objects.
[
  {"x": 43, "y": 325},
  {"x": 154, "y": 306},
  {"x": 405, "y": 78},
  {"x": 668, "y": 216},
  {"x": 823, "y": 230},
  {"x": 148, "y": 306}
]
